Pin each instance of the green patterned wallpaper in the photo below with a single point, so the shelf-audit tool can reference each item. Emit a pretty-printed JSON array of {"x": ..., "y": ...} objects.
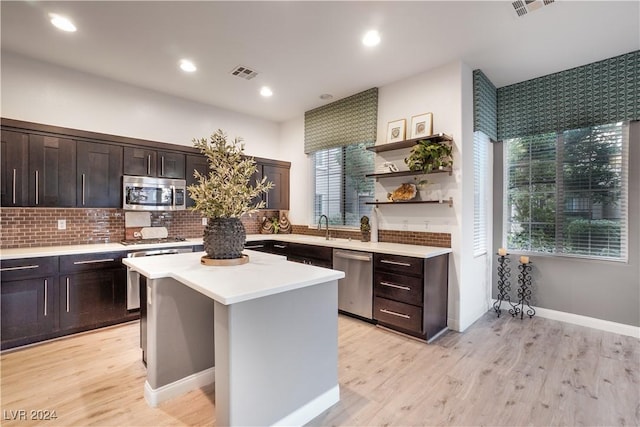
[
  {"x": 485, "y": 105},
  {"x": 347, "y": 121},
  {"x": 602, "y": 92}
]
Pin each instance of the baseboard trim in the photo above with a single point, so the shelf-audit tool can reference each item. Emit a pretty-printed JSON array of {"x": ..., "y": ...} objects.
[
  {"x": 590, "y": 322},
  {"x": 154, "y": 397},
  {"x": 311, "y": 409}
]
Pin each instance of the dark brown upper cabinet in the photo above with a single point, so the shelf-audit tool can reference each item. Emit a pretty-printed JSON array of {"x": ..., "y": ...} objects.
[
  {"x": 99, "y": 173},
  {"x": 194, "y": 162},
  {"x": 278, "y": 196},
  {"x": 14, "y": 173},
  {"x": 148, "y": 162},
  {"x": 52, "y": 171}
]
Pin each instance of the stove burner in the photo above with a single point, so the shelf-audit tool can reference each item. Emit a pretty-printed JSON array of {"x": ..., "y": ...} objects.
[{"x": 152, "y": 241}]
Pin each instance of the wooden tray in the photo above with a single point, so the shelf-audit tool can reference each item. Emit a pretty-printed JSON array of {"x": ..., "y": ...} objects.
[{"x": 205, "y": 260}]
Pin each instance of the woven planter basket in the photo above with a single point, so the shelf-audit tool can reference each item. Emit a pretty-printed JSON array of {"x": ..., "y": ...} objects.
[{"x": 224, "y": 238}]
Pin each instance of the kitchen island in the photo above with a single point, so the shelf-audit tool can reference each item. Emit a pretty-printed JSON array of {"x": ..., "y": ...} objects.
[{"x": 264, "y": 332}]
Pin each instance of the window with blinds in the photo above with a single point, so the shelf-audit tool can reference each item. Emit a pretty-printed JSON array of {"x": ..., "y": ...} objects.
[
  {"x": 340, "y": 186},
  {"x": 480, "y": 184},
  {"x": 566, "y": 193}
]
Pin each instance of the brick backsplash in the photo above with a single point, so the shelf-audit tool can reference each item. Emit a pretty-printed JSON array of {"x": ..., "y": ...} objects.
[{"x": 30, "y": 227}]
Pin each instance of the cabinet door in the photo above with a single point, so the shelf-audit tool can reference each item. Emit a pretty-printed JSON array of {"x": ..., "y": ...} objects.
[
  {"x": 28, "y": 310},
  {"x": 14, "y": 173},
  {"x": 99, "y": 172},
  {"x": 171, "y": 165},
  {"x": 278, "y": 196},
  {"x": 52, "y": 171},
  {"x": 139, "y": 161},
  {"x": 194, "y": 163},
  {"x": 257, "y": 176},
  {"x": 92, "y": 298}
]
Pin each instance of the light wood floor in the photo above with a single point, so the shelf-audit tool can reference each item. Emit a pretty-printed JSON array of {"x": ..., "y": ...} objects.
[{"x": 499, "y": 372}]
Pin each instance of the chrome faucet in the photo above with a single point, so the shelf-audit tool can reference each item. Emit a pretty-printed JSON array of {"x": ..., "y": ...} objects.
[{"x": 326, "y": 221}]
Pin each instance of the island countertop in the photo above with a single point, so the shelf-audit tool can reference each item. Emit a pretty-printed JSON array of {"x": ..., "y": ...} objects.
[{"x": 264, "y": 274}]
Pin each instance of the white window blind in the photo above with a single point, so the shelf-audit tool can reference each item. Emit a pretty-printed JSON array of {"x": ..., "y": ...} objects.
[
  {"x": 480, "y": 184},
  {"x": 340, "y": 186},
  {"x": 566, "y": 193}
]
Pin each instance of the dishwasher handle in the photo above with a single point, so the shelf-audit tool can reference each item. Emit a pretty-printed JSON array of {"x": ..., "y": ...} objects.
[{"x": 348, "y": 255}]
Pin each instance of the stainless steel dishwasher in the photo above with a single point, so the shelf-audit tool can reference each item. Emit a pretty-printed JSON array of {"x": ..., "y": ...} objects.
[{"x": 355, "y": 291}]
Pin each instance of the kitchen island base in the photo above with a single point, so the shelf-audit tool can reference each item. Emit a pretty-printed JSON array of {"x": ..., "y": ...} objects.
[{"x": 274, "y": 355}]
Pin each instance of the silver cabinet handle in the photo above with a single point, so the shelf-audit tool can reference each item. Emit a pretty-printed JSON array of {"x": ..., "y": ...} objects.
[
  {"x": 22, "y": 267},
  {"x": 93, "y": 261},
  {"x": 14, "y": 186},
  {"x": 386, "y": 261},
  {"x": 393, "y": 285},
  {"x": 267, "y": 203},
  {"x": 393, "y": 313},
  {"x": 45, "y": 296},
  {"x": 149, "y": 164},
  {"x": 67, "y": 294},
  {"x": 37, "y": 186},
  {"x": 280, "y": 246},
  {"x": 83, "y": 181},
  {"x": 162, "y": 165},
  {"x": 254, "y": 247}
]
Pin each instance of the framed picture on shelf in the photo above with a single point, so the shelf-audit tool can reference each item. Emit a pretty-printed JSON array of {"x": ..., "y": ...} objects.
[
  {"x": 421, "y": 125},
  {"x": 396, "y": 130}
]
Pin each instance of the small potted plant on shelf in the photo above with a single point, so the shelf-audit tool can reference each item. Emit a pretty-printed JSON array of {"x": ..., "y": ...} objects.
[
  {"x": 427, "y": 156},
  {"x": 225, "y": 194},
  {"x": 365, "y": 228}
]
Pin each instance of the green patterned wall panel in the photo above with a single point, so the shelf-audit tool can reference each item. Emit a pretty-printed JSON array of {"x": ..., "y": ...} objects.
[
  {"x": 485, "y": 105},
  {"x": 602, "y": 92},
  {"x": 347, "y": 121}
]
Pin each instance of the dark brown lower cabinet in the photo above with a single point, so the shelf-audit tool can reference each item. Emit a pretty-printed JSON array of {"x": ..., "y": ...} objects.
[
  {"x": 92, "y": 298},
  {"x": 28, "y": 310}
]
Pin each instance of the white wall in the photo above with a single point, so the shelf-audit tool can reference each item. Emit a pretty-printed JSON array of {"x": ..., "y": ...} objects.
[
  {"x": 447, "y": 92},
  {"x": 40, "y": 92}
]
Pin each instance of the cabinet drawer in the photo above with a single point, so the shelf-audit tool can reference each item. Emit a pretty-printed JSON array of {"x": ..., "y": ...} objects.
[
  {"x": 404, "y": 316},
  {"x": 407, "y": 289},
  {"x": 399, "y": 264},
  {"x": 300, "y": 250},
  {"x": 259, "y": 245},
  {"x": 28, "y": 268},
  {"x": 86, "y": 262},
  {"x": 280, "y": 248}
]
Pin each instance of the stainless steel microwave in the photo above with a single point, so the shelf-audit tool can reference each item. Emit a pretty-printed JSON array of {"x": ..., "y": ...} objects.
[{"x": 141, "y": 193}]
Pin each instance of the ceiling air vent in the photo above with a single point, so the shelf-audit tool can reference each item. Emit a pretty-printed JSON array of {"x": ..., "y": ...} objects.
[
  {"x": 524, "y": 7},
  {"x": 244, "y": 72}
]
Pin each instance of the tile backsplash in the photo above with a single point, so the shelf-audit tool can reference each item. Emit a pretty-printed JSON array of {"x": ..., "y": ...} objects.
[{"x": 31, "y": 227}]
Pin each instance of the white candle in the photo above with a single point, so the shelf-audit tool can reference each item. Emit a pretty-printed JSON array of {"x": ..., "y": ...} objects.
[
  {"x": 524, "y": 259},
  {"x": 502, "y": 251}
]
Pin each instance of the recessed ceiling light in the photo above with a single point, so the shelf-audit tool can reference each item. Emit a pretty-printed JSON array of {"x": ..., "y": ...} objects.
[
  {"x": 62, "y": 23},
  {"x": 326, "y": 96},
  {"x": 371, "y": 38},
  {"x": 187, "y": 66},
  {"x": 266, "y": 91}
]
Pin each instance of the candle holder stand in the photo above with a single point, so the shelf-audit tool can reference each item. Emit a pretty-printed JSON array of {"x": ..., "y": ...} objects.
[
  {"x": 524, "y": 293},
  {"x": 504, "y": 286}
]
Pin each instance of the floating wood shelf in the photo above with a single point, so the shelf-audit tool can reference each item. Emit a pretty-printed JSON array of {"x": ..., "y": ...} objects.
[
  {"x": 405, "y": 173},
  {"x": 408, "y": 143},
  {"x": 414, "y": 202}
]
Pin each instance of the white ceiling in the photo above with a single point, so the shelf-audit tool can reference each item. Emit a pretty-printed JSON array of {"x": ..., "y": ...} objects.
[{"x": 304, "y": 49}]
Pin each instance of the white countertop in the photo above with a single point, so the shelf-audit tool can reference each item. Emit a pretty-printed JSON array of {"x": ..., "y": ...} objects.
[
  {"x": 356, "y": 245},
  {"x": 264, "y": 274}
]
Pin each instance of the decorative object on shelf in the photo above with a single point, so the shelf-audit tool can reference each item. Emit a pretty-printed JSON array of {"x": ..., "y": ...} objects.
[
  {"x": 285, "y": 225},
  {"x": 524, "y": 290},
  {"x": 387, "y": 167},
  {"x": 406, "y": 191},
  {"x": 224, "y": 194},
  {"x": 421, "y": 125},
  {"x": 504, "y": 285},
  {"x": 428, "y": 155},
  {"x": 365, "y": 228},
  {"x": 396, "y": 130}
]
